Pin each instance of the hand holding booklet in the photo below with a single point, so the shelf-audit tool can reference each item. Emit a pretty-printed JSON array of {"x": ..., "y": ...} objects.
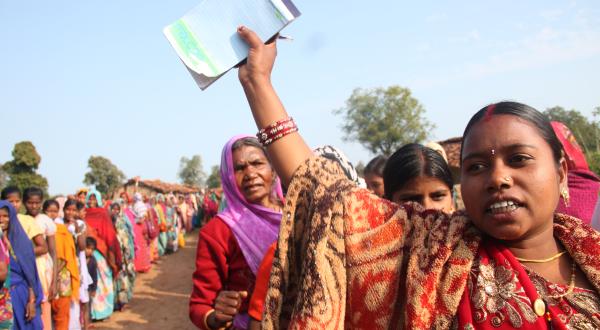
[{"x": 206, "y": 40}]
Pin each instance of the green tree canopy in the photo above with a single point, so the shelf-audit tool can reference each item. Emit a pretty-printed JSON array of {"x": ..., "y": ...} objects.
[
  {"x": 103, "y": 174},
  {"x": 586, "y": 131},
  {"x": 3, "y": 177},
  {"x": 214, "y": 179},
  {"x": 21, "y": 170},
  {"x": 384, "y": 119},
  {"x": 191, "y": 172}
]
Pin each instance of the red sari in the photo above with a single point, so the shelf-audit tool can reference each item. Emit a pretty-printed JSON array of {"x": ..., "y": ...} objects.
[
  {"x": 98, "y": 219},
  {"x": 142, "y": 259}
]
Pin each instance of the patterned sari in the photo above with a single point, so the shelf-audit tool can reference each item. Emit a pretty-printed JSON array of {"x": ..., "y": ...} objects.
[
  {"x": 126, "y": 276},
  {"x": 102, "y": 305},
  {"x": 348, "y": 259}
]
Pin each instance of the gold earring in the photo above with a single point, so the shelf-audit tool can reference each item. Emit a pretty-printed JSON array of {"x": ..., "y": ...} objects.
[{"x": 564, "y": 192}]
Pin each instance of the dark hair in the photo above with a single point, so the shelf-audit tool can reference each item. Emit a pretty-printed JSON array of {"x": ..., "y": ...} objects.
[
  {"x": 91, "y": 242},
  {"x": 32, "y": 191},
  {"x": 523, "y": 111},
  {"x": 70, "y": 202},
  {"x": 376, "y": 166},
  {"x": 9, "y": 191},
  {"x": 49, "y": 202},
  {"x": 80, "y": 205},
  {"x": 411, "y": 161}
]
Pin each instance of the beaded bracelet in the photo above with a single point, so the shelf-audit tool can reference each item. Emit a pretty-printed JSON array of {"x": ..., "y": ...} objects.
[{"x": 276, "y": 131}]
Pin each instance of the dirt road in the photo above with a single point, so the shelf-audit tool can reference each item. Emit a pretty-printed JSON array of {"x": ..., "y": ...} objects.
[{"x": 161, "y": 296}]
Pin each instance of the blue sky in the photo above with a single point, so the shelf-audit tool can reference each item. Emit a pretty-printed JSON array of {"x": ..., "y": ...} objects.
[{"x": 81, "y": 78}]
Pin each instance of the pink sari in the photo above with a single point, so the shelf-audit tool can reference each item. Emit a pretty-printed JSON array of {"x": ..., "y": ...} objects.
[{"x": 142, "y": 260}]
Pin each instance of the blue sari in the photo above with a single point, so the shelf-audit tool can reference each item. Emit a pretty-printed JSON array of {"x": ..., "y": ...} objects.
[{"x": 23, "y": 274}]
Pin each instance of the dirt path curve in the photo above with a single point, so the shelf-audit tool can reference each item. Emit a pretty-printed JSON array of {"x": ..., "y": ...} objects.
[{"x": 160, "y": 298}]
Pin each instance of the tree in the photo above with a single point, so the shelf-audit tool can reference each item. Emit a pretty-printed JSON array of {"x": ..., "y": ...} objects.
[
  {"x": 21, "y": 170},
  {"x": 191, "y": 172},
  {"x": 384, "y": 119},
  {"x": 587, "y": 132},
  {"x": 104, "y": 175},
  {"x": 3, "y": 177},
  {"x": 214, "y": 179}
]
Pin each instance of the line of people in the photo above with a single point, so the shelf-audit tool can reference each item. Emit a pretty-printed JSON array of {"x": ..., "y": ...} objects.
[
  {"x": 70, "y": 261},
  {"x": 330, "y": 254}
]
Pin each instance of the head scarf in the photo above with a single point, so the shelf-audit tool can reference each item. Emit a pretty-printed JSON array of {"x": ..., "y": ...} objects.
[
  {"x": 437, "y": 147},
  {"x": 338, "y": 156},
  {"x": 573, "y": 153},
  {"x": 139, "y": 207},
  {"x": 95, "y": 193},
  {"x": 22, "y": 248},
  {"x": 254, "y": 226}
]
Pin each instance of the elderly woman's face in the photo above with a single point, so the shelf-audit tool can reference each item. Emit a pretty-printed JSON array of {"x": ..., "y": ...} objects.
[
  {"x": 510, "y": 181},
  {"x": 253, "y": 174}
]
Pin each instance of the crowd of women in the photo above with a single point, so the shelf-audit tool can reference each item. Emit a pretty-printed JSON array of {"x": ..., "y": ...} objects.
[
  {"x": 69, "y": 261},
  {"x": 325, "y": 252}
]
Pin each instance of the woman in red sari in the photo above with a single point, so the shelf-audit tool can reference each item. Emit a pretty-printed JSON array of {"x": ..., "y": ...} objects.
[
  {"x": 98, "y": 219},
  {"x": 348, "y": 259}
]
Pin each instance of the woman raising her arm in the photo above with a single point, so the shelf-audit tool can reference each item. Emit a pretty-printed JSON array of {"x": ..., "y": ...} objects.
[{"x": 348, "y": 259}]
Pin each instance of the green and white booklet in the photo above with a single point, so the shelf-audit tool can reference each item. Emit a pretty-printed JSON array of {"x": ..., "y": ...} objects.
[{"x": 206, "y": 38}]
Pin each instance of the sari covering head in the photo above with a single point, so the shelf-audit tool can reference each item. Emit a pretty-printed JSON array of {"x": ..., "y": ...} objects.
[
  {"x": 584, "y": 184},
  {"x": 573, "y": 153},
  {"x": 23, "y": 249},
  {"x": 139, "y": 207},
  {"x": 254, "y": 226},
  {"x": 95, "y": 193}
]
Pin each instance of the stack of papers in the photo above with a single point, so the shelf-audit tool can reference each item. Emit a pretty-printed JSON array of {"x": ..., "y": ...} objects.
[{"x": 206, "y": 38}]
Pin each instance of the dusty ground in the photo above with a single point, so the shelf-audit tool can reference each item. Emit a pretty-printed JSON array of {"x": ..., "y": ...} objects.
[{"x": 160, "y": 296}]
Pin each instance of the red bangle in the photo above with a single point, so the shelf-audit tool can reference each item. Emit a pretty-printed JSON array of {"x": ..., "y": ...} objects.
[{"x": 276, "y": 131}]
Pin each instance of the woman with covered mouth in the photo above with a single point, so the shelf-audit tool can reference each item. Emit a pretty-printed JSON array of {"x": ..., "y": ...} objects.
[
  {"x": 234, "y": 242},
  {"x": 349, "y": 259}
]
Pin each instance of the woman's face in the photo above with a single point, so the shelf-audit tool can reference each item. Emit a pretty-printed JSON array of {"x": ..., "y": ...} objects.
[
  {"x": 430, "y": 192},
  {"x": 92, "y": 202},
  {"x": 115, "y": 211},
  {"x": 375, "y": 184},
  {"x": 510, "y": 181},
  {"x": 33, "y": 205},
  {"x": 71, "y": 213},
  {"x": 81, "y": 197},
  {"x": 253, "y": 174},
  {"x": 4, "y": 219},
  {"x": 15, "y": 200},
  {"x": 52, "y": 211}
]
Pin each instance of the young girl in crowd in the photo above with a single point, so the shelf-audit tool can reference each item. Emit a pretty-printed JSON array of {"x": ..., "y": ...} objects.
[
  {"x": 67, "y": 270},
  {"x": 33, "y": 198},
  {"x": 25, "y": 291},
  {"x": 6, "y": 311},
  {"x": 415, "y": 173},
  {"x": 373, "y": 174},
  {"x": 92, "y": 266},
  {"x": 78, "y": 231}
]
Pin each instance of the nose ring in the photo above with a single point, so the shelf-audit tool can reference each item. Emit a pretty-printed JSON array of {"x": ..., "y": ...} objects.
[{"x": 507, "y": 178}]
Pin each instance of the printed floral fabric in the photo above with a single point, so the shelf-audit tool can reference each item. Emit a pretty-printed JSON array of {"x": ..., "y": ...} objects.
[{"x": 348, "y": 259}]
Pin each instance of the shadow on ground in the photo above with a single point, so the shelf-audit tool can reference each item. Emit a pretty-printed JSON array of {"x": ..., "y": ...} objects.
[{"x": 161, "y": 296}]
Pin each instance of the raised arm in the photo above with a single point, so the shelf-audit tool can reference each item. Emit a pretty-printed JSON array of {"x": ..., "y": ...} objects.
[{"x": 290, "y": 151}]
